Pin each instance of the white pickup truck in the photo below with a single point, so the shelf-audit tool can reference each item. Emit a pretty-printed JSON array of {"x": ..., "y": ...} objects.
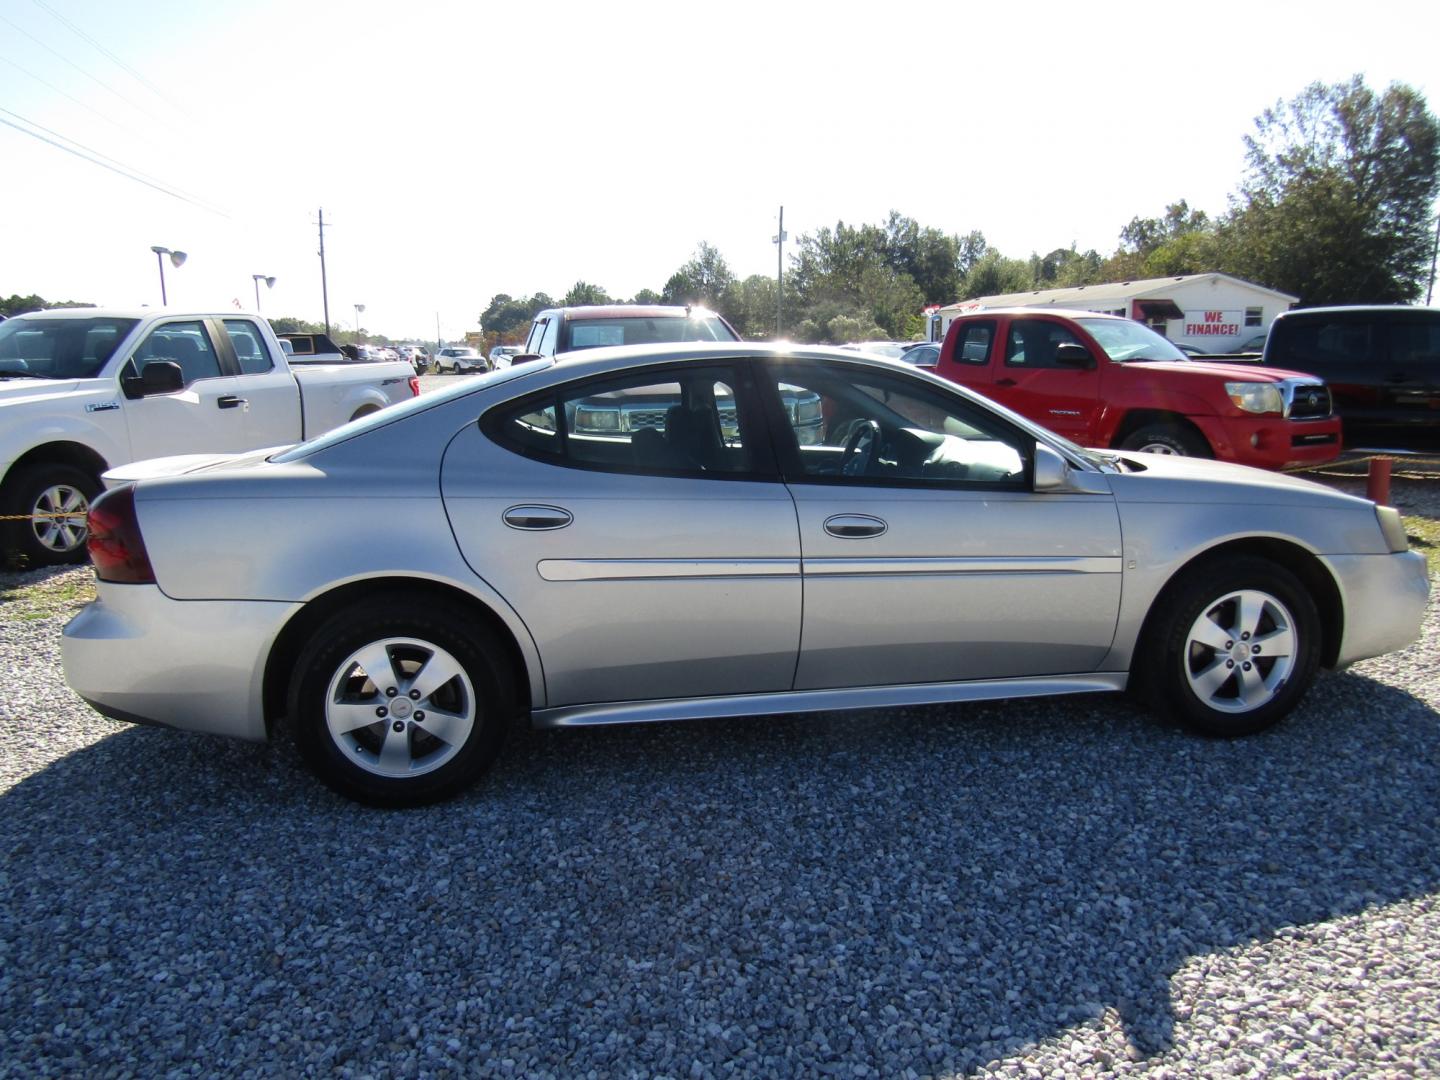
[{"x": 83, "y": 390}]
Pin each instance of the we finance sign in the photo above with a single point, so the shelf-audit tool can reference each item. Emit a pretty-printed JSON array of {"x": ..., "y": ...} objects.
[{"x": 1213, "y": 323}]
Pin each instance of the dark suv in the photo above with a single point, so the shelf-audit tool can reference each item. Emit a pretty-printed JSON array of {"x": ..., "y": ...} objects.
[
  {"x": 1382, "y": 365},
  {"x": 558, "y": 330}
]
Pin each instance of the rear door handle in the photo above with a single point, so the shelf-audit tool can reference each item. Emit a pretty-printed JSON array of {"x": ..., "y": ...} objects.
[
  {"x": 230, "y": 401},
  {"x": 537, "y": 518},
  {"x": 1004, "y": 382},
  {"x": 854, "y": 526}
]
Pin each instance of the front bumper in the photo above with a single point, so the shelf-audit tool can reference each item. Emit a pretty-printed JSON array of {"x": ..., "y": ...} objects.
[
  {"x": 197, "y": 665},
  {"x": 1272, "y": 442},
  {"x": 1384, "y": 598}
]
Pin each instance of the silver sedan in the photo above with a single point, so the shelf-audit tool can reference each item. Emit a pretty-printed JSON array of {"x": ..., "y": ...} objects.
[{"x": 707, "y": 531}]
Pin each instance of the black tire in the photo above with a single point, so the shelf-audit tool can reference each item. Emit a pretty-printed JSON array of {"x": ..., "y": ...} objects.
[
  {"x": 353, "y": 762},
  {"x": 1176, "y": 666},
  {"x": 364, "y": 410},
  {"x": 43, "y": 489},
  {"x": 1162, "y": 438}
]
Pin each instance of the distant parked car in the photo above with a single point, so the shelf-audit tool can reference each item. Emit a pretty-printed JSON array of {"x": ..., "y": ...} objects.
[
  {"x": 923, "y": 354},
  {"x": 527, "y": 544},
  {"x": 501, "y": 355},
  {"x": 459, "y": 359},
  {"x": 416, "y": 357},
  {"x": 894, "y": 349}
]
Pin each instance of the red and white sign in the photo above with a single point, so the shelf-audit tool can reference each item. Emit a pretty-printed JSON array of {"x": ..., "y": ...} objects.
[{"x": 1211, "y": 323}]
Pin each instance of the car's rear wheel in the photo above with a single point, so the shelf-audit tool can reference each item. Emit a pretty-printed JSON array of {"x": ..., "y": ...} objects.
[
  {"x": 54, "y": 499},
  {"x": 1167, "y": 439},
  {"x": 1236, "y": 645},
  {"x": 396, "y": 703}
]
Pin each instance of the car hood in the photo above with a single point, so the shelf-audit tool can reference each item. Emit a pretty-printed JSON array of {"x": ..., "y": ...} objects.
[
  {"x": 21, "y": 390},
  {"x": 1239, "y": 371},
  {"x": 1171, "y": 478}
]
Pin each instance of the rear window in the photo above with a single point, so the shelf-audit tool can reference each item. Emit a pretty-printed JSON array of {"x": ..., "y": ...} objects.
[{"x": 640, "y": 330}]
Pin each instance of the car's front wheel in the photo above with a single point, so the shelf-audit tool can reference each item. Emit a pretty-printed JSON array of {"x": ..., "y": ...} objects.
[
  {"x": 1167, "y": 439},
  {"x": 396, "y": 703},
  {"x": 48, "y": 504},
  {"x": 1236, "y": 645}
]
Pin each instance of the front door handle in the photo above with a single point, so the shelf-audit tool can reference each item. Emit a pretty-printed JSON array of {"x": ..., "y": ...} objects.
[
  {"x": 1004, "y": 382},
  {"x": 854, "y": 526},
  {"x": 230, "y": 401},
  {"x": 537, "y": 518}
]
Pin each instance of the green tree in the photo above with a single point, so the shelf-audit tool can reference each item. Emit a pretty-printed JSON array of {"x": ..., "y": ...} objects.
[
  {"x": 1336, "y": 206},
  {"x": 647, "y": 296},
  {"x": 583, "y": 293},
  {"x": 703, "y": 280},
  {"x": 995, "y": 275},
  {"x": 21, "y": 305},
  {"x": 510, "y": 317}
]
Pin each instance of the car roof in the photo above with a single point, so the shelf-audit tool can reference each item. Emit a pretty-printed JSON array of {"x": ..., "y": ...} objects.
[
  {"x": 134, "y": 313},
  {"x": 628, "y": 311},
  {"x": 1069, "y": 313},
  {"x": 1361, "y": 309}
]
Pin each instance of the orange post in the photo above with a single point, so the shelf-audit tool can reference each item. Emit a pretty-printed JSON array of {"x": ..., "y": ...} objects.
[{"x": 1377, "y": 483}]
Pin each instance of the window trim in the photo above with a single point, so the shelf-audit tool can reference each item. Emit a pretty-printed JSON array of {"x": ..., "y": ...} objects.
[
  {"x": 763, "y": 465},
  {"x": 224, "y": 361},
  {"x": 240, "y": 371},
  {"x": 787, "y": 452}
]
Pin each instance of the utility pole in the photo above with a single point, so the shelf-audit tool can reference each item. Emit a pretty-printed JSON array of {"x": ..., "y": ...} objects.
[
  {"x": 1434, "y": 251},
  {"x": 324, "y": 287},
  {"x": 438, "y": 343},
  {"x": 779, "y": 241}
]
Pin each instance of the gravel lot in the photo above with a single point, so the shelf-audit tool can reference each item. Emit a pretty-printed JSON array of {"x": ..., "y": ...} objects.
[{"x": 1057, "y": 888}]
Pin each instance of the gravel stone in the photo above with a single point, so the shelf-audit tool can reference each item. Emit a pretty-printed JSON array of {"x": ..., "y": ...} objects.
[{"x": 1061, "y": 887}]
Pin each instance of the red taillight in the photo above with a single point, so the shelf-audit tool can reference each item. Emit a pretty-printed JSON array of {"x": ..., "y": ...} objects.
[
  {"x": 414, "y": 385},
  {"x": 116, "y": 547}
]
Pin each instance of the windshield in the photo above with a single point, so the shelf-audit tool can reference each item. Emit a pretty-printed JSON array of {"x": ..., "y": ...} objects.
[
  {"x": 646, "y": 330},
  {"x": 392, "y": 413},
  {"x": 1126, "y": 341},
  {"x": 59, "y": 348}
]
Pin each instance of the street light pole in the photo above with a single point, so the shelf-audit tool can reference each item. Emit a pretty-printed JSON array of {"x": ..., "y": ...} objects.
[
  {"x": 269, "y": 284},
  {"x": 358, "y": 309},
  {"x": 779, "y": 241},
  {"x": 177, "y": 260}
]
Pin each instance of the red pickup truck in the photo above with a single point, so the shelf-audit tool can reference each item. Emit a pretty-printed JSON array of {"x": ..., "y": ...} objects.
[{"x": 1105, "y": 381}]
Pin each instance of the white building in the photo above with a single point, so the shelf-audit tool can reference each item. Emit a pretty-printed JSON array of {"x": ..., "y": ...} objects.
[{"x": 1217, "y": 312}]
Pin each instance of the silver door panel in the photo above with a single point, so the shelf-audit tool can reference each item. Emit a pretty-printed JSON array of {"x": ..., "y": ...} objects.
[
  {"x": 657, "y": 587},
  {"x": 960, "y": 585}
]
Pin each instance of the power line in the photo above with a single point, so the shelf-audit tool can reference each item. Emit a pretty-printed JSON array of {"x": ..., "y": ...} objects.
[
  {"x": 84, "y": 105},
  {"x": 93, "y": 78},
  {"x": 97, "y": 158},
  {"x": 101, "y": 48}
]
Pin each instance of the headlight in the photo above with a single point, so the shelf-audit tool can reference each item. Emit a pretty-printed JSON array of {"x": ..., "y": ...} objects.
[
  {"x": 1256, "y": 397},
  {"x": 1392, "y": 528},
  {"x": 597, "y": 419}
]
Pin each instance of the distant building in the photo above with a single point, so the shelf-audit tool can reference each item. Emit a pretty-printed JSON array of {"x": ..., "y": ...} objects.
[{"x": 1217, "y": 312}]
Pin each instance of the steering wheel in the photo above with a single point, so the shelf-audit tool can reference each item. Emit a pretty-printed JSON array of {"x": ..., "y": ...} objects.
[{"x": 860, "y": 448}]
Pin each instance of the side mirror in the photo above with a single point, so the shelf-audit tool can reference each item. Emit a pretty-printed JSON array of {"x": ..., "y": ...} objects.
[
  {"x": 521, "y": 358},
  {"x": 1069, "y": 354},
  {"x": 1051, "y": 470},
  {"x": 156, "y": 377}
]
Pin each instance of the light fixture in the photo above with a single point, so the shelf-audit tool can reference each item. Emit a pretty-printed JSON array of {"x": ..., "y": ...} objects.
[
  {"x": 177, "y": 260},
  {"x": 269, "y": 284}
]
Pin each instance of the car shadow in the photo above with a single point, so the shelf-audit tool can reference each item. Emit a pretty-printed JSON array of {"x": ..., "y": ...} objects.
[{"x": 990, "y": 875}]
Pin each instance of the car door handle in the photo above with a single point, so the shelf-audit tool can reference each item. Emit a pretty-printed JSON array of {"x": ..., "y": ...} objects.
[
  {"x": 537, "y": 518},
  {"x": 854, "y": 526},
  {"x": 1004, "y": 382},
  {"x": 230, "y": 401}
]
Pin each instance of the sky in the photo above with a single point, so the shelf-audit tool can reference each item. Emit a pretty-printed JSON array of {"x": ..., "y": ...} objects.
[{"x": 461, "y": 150}]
